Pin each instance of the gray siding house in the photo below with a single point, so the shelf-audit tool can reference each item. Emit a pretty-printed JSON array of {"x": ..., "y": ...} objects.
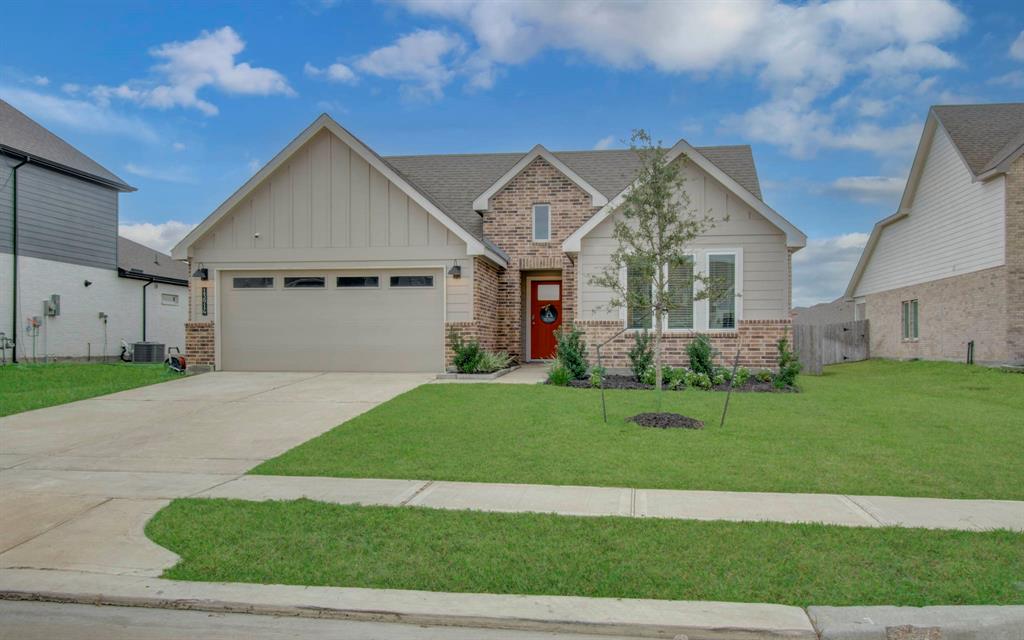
[{"x": 58, "y": 237}]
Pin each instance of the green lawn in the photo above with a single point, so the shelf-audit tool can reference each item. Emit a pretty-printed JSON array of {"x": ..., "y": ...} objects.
[
  {"x": 874, "y": 428},
  {"x": 311, "y": 543},
  {"x": 32, "y": 386}
]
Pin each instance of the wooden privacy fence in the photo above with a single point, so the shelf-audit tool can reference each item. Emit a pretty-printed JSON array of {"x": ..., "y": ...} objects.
[{"x": 819, "y": 345}]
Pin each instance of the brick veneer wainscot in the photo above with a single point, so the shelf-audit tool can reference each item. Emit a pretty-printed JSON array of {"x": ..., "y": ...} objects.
[
  {"x": 1015, "y": 261},
  {"x": 199, "y": 345}
]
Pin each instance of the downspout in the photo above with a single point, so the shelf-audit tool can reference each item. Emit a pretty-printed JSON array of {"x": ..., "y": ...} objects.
[
  {"x": 14, "y": 251},
  {"x": 144, "y": 308}
]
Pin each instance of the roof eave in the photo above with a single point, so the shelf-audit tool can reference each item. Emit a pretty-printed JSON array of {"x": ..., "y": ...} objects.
[{"x": 123, "y": 187}]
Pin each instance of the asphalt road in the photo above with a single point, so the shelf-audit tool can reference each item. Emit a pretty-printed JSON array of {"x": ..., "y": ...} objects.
[{"x": 48, "y": 621}]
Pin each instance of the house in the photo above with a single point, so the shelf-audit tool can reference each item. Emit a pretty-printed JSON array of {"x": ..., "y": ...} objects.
[
  {"x": 58, "y": 237},
  {"x": 332, "y": 257},
  {"x": 947, "y": 269},
  {"x": 823, "y": 313}
]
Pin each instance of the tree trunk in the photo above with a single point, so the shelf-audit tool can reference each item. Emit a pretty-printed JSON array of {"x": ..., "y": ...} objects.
[{"x": 657, "y": 357}]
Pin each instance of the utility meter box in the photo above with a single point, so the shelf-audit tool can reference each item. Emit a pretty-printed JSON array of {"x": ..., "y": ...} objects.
[{"x": 51, "y": 307}]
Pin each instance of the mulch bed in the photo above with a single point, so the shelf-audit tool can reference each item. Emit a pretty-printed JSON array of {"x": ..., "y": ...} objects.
[
  {"x": 666, "y": 421},
  {"x": 628, "y": 382}
]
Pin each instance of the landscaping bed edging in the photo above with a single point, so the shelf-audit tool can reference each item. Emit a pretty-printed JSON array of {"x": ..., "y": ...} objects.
[
  {"x": 451, "y": 375},
  {"x": 617, "y": 381}
]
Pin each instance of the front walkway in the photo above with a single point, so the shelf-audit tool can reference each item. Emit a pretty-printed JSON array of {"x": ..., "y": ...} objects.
[{"x": 852, "y": 511}]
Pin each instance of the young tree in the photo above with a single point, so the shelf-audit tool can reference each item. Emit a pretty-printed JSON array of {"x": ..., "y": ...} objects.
[{"x": 654, "y": 226}]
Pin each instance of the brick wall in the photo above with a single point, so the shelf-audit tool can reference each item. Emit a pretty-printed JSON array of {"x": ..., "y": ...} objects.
[
  {"x": 509, "y": 224},
  {"x": 756, "y": 339},
  {"x": 1015, "y": 262},
  {"x": 485, "y": 324},
  {"x": 951, "y": 312},
  {"x": 199, "y": 345}
]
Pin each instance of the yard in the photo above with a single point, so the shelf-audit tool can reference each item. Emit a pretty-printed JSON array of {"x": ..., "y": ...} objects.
[
  {"x": 870, "y": 428},
  {"x": 311, "y": 543},
  {"x": 33, "y": 386}
]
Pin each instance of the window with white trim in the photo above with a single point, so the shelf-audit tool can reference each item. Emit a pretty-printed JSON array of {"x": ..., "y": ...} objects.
[
  {"x": 541, "y": 222},
  {"x": 910, "y": 324},
  {"x": 680, "y": 291},
  {"x": 721, "y": 291},
  {"x": 639, "y": 285},
  {"x": 169, "y": 299},
  {"x": 640, "y": 289}
]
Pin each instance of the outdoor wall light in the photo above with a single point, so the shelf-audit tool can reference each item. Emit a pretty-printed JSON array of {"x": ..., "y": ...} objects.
[
  {"x": 87, "y": 283},
  {"x": 202, "y": 273},
  {"x": 455, "y": 271}
]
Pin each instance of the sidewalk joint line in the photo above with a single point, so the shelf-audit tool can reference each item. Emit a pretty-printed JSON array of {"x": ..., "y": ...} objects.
[
  {"x": 871, "y": 516},
  {"x": 59, "y": 524},
  {"x": 406, "y": 502}
]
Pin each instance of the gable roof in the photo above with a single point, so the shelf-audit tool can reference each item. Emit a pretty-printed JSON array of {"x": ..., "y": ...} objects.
[
  {"x": 23, "y": 136},
  {"x": 454, "y": 181},
  {"x": 794, "y": 237},
  {"x": 984, "y": 134},
  {"x": 138, "y": 260},
  {"x": 475, "y": 244},
  {"x": 483, "y": 201}
]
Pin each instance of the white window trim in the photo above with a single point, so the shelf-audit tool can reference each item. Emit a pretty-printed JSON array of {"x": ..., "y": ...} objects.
[
  {"x": 701, "y": 308},
  {"x": 433, "y": 281},
  {"x": 376, "y": 287},
  {"x": 169, "y": 299},
  {"x": 533, "y": 224},
  {"x": 272, "y": 287}
]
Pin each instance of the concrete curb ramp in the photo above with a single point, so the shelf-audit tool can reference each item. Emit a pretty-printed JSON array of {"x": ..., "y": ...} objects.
[
  {"x": 951, "y": 623},
  {"x": 601, "y": 616}
]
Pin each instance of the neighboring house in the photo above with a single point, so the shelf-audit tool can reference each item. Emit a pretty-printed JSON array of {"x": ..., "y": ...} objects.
[
  {"x": 64, "y": 234},
  {"x": 332, "y": 257},
  {"x": 948, "y": 267},
  {"x": 835, "y": 312}
]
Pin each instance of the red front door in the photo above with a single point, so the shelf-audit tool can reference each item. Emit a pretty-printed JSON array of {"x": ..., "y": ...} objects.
[{"x": 545, "y": 317}]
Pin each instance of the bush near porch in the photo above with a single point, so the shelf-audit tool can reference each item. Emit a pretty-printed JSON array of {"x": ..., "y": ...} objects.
[{"x": 869, "y": 428}]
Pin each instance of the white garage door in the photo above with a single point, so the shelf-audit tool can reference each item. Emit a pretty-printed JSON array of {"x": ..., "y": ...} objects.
[{"x": 366, "y": 320}]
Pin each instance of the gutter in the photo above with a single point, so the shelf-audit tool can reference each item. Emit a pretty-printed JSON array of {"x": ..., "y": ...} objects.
[
  {"x": 118, "y": 186},
  {"x": 144, "y": 308},
  {"x": 14, "y": 251},
  {"x": 134, "y": 275}
]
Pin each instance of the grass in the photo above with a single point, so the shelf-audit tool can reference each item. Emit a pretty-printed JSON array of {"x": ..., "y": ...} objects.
[
  {"x": 870, "y": 428},
  {"x": 25, "y": 387},
  {"x": 311, "y": 543}
]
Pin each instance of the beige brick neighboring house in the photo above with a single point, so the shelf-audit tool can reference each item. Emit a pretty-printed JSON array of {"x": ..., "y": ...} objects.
[
  {"x": 947, "y": 269},
  {"x": 333, "y": 257}
]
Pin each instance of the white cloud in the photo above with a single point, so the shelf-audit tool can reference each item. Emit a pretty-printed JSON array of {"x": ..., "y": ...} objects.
[
  {"x": 604, "y": 143},
  {"x": 77, "y": 114},
  {"x": 1013, "y": 79},
  {"x": 875, "y": 189},
  {"x": 178, "y": 146},
  {"x": 420, "y": 60},
  {"x": 71, "y": 88},
  {"x": 190, "y": 66},
  {"x": 161, "y": 236},
  {"x": 872, "y": 108},
  {"x": 41, "y": 81},
  {"x": 336, "y": 72},
  {"x": 171, "y": 174},
  {"x": 1017, "y": 48},
  {"x": 822, "y": 269},
  {"x": 253, "y": 166}
]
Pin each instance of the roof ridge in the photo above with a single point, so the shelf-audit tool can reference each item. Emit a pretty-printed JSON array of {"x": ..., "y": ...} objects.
[{"x": 556, "y": 152}]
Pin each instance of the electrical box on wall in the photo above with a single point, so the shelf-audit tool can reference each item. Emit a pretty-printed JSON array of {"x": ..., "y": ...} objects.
[{"x": 51, "y": 307}]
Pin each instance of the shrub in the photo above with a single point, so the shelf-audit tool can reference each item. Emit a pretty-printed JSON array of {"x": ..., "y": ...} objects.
[
  {"x": 718, "y": 379},
  {"x": 742, "y": 375},
  {"x": 596, "y": 376},
  {"x": 558, "y": 374},
  {"x": 789, "y": 365},
  {"x": 764, "y": 375},
  {"x": 641, "y": 356},
  {"x": 701, "y": 355},
  {"x": 700, "y": 380},
  {"x": 467, "y": 354},
  {"x": 648, "y": 378},
  {"x": 489, "y": 362},
  {"x": 572, "y": 351},
  {"x": 673, "y": 377},
  {"x": 725, "y": 373}
]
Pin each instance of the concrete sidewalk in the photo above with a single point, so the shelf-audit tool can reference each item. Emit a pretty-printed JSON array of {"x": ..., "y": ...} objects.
[{"x": 854, "y": 511}]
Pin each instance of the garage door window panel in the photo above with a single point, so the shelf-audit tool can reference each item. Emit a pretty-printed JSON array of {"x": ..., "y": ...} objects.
[
  {"x": 305, "y": 282},
  {"x": 412, "y": 282},
  {"x": 252, "y": 282},
  {"x": 357, "y": 282}
]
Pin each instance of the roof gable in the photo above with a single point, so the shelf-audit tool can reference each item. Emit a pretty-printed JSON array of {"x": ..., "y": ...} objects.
[
  {"x": 22, "y": 135},
  {"x": 482, "y": 202},
  {"x": 138, "y": 258},
  {"x": 984, "y": 134}
]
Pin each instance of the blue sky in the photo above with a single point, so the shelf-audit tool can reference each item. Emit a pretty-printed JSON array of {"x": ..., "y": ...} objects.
[{"x": 186, "y": 100}]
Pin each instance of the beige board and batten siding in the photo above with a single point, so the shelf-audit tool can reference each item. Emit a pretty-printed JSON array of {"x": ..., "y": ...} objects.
[
  {"x": 955, "y": 226},
  {"x": 765, "y": 276},
  {"x": 326, "y": 207}
]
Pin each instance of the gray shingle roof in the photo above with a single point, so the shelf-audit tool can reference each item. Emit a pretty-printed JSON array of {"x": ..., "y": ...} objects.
[
  {"x": 985, "y": 134},
  {"x": 23, "y": 135},
  {"x": 454, "y": 181},
  {"x": 132, "y": 255}
]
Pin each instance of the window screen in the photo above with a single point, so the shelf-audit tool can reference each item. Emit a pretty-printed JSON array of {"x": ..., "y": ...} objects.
[
  {"x": 357, "y": 282},
  {"x": 680, "y": 288},
  {"x": 250, "y": 282},
  {"x": 722, "y": 291},
  {"x": 541, "y": 222},
  {"x": 639, "y": 281},
  {"x": 304, "y": 282},
  {"x": 910, "y": 325},
  {"x": 412, "y": 281}
]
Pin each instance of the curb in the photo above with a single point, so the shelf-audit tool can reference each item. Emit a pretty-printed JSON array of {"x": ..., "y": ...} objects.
[
  {"x": 555, "y": 614},
  {"x": 476, "y": 376}
]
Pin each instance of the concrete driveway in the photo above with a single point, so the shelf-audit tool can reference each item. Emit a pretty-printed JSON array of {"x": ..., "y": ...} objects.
[{"x": 78, "y": 481}]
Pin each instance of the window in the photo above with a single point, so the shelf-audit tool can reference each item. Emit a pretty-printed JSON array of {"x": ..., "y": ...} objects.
[
  {"x": 412, "y": 281},
  {"x": 639, "y": 282},
  {"x": 910, "y": 320},
  {"x": 304, "y": 282},
  {"x": 252, "y": 283},
  {"x": 541, "y": 222},
  {"x": 170, "y": 299},
  {"x": 680, "y": 290},
  {"x": 358, "y": 282},
  {"x": 722, "y": 291}
]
